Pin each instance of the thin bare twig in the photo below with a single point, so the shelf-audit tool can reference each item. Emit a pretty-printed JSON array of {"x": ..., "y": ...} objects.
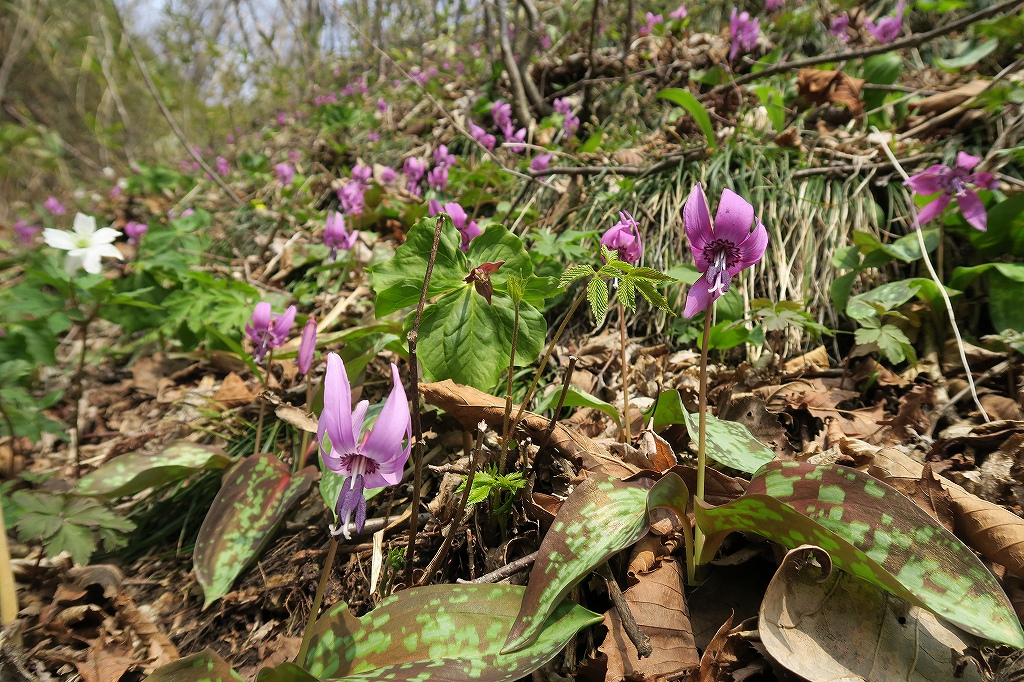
[
  {"x": 561, "y": 400},
  {"x": 910, "y": 41},
  {"x": 414, "y": 392},
  {"x": 517, "y": 566},
  {"x": 637, "y": 636}
]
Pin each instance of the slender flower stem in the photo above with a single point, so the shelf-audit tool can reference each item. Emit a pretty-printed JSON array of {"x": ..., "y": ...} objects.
[
  {"x": 625, "y": 372},
  {"x": 935, "y": 278},
  {"x": 301, "y": 459},
  {"x": 508, "y": 395},
  {"x": 76, "y": 394},
  {"x": 414, "y": 392},
  {"x": 307, "y": 632},
  {"x": 544, "y": 360},
  {"x": 702, "y": 424},
  {"x": 263, "y": 404}
]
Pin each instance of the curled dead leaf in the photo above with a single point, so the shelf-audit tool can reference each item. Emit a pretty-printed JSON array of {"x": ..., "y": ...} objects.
[{"x": 820, "y": 86}]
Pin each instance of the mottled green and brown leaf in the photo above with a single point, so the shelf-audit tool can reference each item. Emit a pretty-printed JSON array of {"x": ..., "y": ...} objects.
[
  {"x": 874, "y": 532},
  {"x": 253, "y": 499},
  {"x": 440, "y": 632},
  {"x": 600, "y": 517},
  {"x": 136, "y": 471},
  {"x": 205, "y": 666}
]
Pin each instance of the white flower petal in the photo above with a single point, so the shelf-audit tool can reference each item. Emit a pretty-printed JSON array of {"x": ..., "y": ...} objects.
[
  {"x": 105, "y": 235},
  {"x": 59, "y": 239},
  {"x": 84, "y": 225},
  {"x": 107, "y": 250},
  {"x": 72, "y": 263},
  {"x": 91, "y": 262}
]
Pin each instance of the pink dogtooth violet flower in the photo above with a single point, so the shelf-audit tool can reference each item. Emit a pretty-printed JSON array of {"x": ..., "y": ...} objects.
[
  {"x": 513, "y": 137},
  {"x": 351, "y": 197},
  {"x": 223, "y": 167},
  {"x": 952, "y": 182},
  {"x": 722, "y": 249},
  {"x": 268, "y": 330},
  {"x": 678, "y": 13},
  {"x": 773, "y": 5},
  {"x": 362, "y": 174},
  {"x": 540, "y": 163},
  {"x": 624, "y": 237},
  {"x": 367, "y": 460},
  {"x": 307, "y": 346},
  {"x": 888, "y": 28},
  {"x": 382, "y": 105},
  {"x": 562, "y": 106},
  {"x": 285, "y": 173},
  {"x": 373, "y": 136},
  {"x": 414, "y": 169},
  {"x": 501, "y": 112},
  {"x": 839, "y": 26},
  {"x": 336, "y": 237},
  {"x": 55, "y": 207},
  {"x": 570, "y": 124},
  {"x": 442, "y": 157},
  {"x": 134, "y": 231},
  {"x": 388, "y": 175},
  {"x": 652, "y": 21},
  {"x": 483, "y": 137},
  {"x": 26, "y": 232},
  {"x": 437, "y": 178},
  {"x": 744, "y": 32}
]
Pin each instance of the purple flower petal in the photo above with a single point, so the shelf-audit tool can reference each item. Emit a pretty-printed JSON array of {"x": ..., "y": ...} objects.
[
  {"x": 751, "y": 249},
  {"x": 336, "y": 419},
  {"x": 965, "y": 161},
  {"x": 697, "y": 221},
  {"x": 734, "y": 218},
  {"x": 307, "y": 347},
  {"x": 929, "y": 181},
  {"x": 358, "y": 417},
  {"x": 982, "y": 180},
  {"x": 973, "y": 210},
  {"x": 384, "y": 443},
  {"x": 933, "y": 210},
  {"x": 283, "y": 326},
  {"x": 699, "y": 297}
]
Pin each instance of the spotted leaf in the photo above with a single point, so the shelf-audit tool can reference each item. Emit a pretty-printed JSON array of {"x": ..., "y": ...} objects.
[
  {"x": 255, "y": 496},
  {"x": 730, "y": 443},
  {"x": 135, "y": 471},
  {"x": 600, "y": 517},
  {"x": 205, "y": 666},
  {"x": 874, "y": 532},
  {"x": 440, "y": 632}
]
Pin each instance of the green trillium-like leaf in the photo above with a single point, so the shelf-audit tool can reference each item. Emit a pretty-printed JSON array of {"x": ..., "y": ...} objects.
[
  {"x": 600, "y": 517},
  {"x": 134, "y": 471},
  {"x": 205, "y": 666},
  {"x": 873, "y": 532},
  {"x": 730, "y": 443},
  {"x": 468, "y": 340},
  {"x": 440, "y": 632},
  {"x": 253, "y": 499}
]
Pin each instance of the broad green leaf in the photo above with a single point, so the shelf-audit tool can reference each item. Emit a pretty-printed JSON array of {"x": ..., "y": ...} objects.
[
  {"x": 576, "y": 397},
  {"x": 205, "y": 666},
  {"x": 467, "y": 340},
  {"x": 872, "y": 531},
  {"x": 668, "y": 410},
  {"x": 907, "y": 248},
  {"x": 285, "y": 672},
  {"x": 600, "y": 517},
  {"x": 881, "y": 69},
  {"x": 969, "y": 56},
  {"x": 593, "y": 142},
  {"x": 1005, "y": 233},
  {"x": 398, "y": 282},
  {"x": 254, "y": 497},
  {"x": 730, "y": 443},
  {"x": 1004, "y": 300},
  {"x": 133, "y": 472},
  {"x": 694, "y": 108},
  {"x": 964, "y": 276},
  {"x": 440, "y": 632},
  {"x": 889, "y": 296}
]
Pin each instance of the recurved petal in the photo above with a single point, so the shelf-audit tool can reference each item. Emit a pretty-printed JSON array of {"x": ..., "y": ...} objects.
[
  {"x": 58, "y": 239},
  {"x": 358, "y": 417},
  {"x": 752, "y": 249},
  {"x": 928, "y": 181},
  {"x": 965, "y": 161},
  {"x": 283, "y": 325},
  {"x": 697, "y": 221},
  {"x": 983, "y": 180},
  {"x": 84, "y": 224},
  {"x": 108, "y": 250},
  {"x": 734, "y": 218},
  {"x": 973, "y": 209},
  {"x": 698, "y": 297},
  {"x": 337, "y": 415},
  {"x": 933, "y": 210},
  {"x": 260, "y": 318},
  {"x": 384, "y": 442}
]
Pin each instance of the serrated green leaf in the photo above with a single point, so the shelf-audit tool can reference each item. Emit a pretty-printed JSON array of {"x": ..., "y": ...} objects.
[
  {"x": 254, "y": 497},
  {"x": 730, "y": 443},
  {"x": 205, "y": 666},
  {"x": 626, "y": 294},
  {"x": 692, "y": 105},
  {"x": 134, "y": 471},
  {"x": 888, "y": 296},
  {"x": 600, "y": 517},
  {"x": 464, "y": 339},
  {"x": 872, "y": 531},
  {"x": 651, "y": 275},
  {"x": 74, "y": 539},
  {"x": 597, "y": 296},
  {"x": 653, "y": 296},
  {"x": 573, "y": 273},
  {"x": 441, "y": 632}
]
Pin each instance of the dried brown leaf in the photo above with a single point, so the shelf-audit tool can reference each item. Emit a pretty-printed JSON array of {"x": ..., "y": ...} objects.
[{"x": 820, "y": 86}]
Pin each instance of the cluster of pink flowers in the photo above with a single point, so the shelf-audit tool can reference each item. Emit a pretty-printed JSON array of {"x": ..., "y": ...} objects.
[
  {"x": 351, "y": 195},
  {"x": 501, "y": 113},
  {"x": 468, "y": 229},
  {"x": 652, "y": 21},
  {"x": 570, "y": 123},
  {"x": 336, "y": 236},
  {"x": 414, "y": 169}
]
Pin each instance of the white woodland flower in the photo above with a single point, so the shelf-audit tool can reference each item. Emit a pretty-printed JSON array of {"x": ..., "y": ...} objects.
[{"x": 86, "y": 245}]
